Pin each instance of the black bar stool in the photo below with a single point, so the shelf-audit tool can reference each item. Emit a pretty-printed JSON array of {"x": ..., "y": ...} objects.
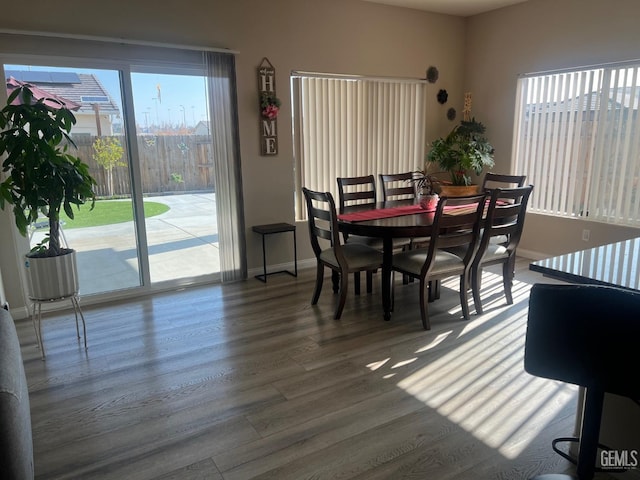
[{"x": 585, "y": 335}]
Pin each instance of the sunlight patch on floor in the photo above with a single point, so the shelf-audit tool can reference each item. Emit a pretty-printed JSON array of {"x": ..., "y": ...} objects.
[
  {"x": 436, "y": 341},
  {"x": 405, "y": 362},
  {"x": 376, "y": 365},
  {"x": 482, "y": 382}
]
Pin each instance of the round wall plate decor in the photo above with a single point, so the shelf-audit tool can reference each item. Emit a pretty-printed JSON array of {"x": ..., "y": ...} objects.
[{"x": 432, "y": 74}]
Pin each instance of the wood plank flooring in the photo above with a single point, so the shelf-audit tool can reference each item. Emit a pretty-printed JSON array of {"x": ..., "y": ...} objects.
[{"x": 249, "y": 381}]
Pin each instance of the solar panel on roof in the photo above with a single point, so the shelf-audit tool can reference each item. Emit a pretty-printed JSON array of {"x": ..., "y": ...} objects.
[
  {"x": 36, "y": 76},
  {"x": 65, "y": 77},
  {"x": 95, "y": 98}
]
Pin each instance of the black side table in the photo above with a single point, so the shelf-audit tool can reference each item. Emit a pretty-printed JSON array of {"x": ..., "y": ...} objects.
[{"x": 269, "y": 229}]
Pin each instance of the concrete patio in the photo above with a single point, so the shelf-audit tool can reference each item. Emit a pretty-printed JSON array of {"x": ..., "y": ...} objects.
[{"x": 183, "y": 243}]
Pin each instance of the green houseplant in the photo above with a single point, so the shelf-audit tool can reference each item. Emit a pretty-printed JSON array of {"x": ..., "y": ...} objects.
[
  {"x": 463, "y": 151},
  {"x": 40, "y": 176}
]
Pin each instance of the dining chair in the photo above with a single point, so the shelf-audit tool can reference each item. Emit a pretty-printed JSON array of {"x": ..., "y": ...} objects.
[
  {"x": 341, "y": 258},
  {"x": 356, "y": 190},
  {"x": 359, "y": 190},
  {"x": 362, "y": 191},
  {"x": 456, "y": 223},
  {"x": 397, "y": 186},
  {"x": 504, "y": 222},
  {"x": 400, "y": 186},
  {"x": 586, "y": 335},
  {"x": 498, "y": 180}
]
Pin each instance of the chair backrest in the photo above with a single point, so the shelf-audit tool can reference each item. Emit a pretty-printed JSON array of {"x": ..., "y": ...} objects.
[
  {"x": 585, "y": 335},
  {"x": 323, "y": 221},
  {"x": 456, "y": 223},
  {"x": 356, "y": 190},
  {"x": 505, "y": 216},
  {"x": 498, "y": 180},
  {"x": 397, "y": 186}
]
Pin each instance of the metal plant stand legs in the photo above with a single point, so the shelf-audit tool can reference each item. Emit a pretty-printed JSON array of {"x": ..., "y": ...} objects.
[{"x": 36, "y": 318}]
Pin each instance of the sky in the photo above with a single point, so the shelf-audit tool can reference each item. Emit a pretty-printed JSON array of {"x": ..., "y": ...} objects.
[{"x": 182, "y": 98}]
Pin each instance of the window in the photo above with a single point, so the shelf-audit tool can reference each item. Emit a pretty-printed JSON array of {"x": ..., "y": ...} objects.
[
  {"x": 353, "y": 126},
  {"x": 577, "y": 139}
]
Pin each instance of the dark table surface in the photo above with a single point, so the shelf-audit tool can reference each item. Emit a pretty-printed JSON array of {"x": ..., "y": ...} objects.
[
  {"x": 614, "y": 264},
  {"x": 405, "y": 226}
]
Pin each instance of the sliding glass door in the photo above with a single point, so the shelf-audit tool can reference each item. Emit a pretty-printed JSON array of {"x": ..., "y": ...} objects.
[
  {"x": 104, "y": 239},
  {"x": 174, "y": 148},
  {"x": 155, "y": 217}
]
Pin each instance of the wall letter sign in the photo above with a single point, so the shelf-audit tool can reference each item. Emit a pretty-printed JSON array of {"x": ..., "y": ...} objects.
[{"x": 269, "y": 108}]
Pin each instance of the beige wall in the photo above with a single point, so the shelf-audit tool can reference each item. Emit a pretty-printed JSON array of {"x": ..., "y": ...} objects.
[
  {"x": 483, "y": 54},
  {"x": 334, "y": 36},
  {"x": 535, "y": 36}
]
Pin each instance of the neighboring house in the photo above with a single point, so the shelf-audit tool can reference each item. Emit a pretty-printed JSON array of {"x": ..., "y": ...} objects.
[
  {"x": 98, "y": 111},
  {"x": 202, "y": 128}
]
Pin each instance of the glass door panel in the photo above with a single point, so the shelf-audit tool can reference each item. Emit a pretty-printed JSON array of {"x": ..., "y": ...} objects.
[
  {"x": 174, "y": 146},
  {"x": 105, "y": 238}
]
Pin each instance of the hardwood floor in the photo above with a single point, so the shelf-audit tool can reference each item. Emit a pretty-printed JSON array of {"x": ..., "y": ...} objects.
[{"x": 250, "y": 381}]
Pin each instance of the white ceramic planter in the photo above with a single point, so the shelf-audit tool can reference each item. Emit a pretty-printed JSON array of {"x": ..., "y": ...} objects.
[{"x": 51, "y": 278}]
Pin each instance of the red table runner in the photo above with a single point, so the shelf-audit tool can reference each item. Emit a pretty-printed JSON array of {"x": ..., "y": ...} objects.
[{"x": 377, "y": 213}]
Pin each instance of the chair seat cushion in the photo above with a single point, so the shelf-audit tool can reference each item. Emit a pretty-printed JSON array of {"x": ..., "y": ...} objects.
[
  {"x": 420, "y": 242},
  {"x": 499, "y": 239},
  {"x": 373, "y": 242},
  {"x": 359, "y": 256},
  {"x": 494, "y": 252},
  {"x": 445, "y": 263},
  {"x": 503, "y": 239}
]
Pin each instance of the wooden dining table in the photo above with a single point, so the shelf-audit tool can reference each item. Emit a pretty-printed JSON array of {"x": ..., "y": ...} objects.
[{"x": 387, "y": 220}]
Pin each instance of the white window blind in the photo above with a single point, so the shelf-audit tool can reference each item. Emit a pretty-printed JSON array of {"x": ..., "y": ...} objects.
[
  {"x": 578, "y": 140},
  {"x": 346, "y": 127}
]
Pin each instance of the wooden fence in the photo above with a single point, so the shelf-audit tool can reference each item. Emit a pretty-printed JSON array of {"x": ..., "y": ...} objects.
[{"x": 176, "y": 163}]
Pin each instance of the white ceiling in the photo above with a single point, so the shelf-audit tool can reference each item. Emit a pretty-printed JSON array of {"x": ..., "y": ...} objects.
[{"x": 463, "y": 8}]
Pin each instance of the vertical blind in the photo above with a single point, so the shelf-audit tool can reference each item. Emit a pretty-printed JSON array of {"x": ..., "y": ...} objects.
[
  {"x": 578, "y": 140},
  {"x": 346, "y": 127}
]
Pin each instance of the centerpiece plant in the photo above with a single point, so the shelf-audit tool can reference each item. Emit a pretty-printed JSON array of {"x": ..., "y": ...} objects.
[
  {"x": 463, "y": 151},
  {"x": 41, "y": 177},
  {"x": 425, "y": 186}
]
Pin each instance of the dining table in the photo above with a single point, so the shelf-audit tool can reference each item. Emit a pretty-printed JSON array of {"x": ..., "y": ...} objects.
[{"x": 387, "y": 220}]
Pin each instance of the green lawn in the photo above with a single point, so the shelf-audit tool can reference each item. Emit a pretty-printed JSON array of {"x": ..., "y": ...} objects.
[{"x": 107, "y": 212}]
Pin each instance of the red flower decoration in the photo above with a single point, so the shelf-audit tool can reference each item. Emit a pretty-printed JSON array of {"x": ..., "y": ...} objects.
[{"x": 270, "y": 112}]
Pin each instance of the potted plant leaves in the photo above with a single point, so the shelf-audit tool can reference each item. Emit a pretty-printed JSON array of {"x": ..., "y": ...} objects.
[
  {"x": 40, "y": 179},
  {"x": 463, "y": 151}
]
